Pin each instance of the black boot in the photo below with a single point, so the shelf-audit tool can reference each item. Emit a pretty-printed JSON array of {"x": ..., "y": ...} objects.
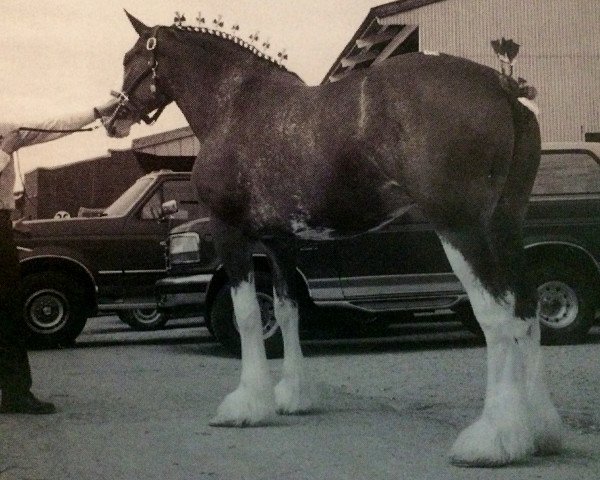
[{"x": 25, "y": 403}]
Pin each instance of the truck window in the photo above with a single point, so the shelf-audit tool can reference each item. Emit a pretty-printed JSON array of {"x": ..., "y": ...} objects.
[
  {"x": 123, "y": 204},
  {"x": 180, "y": 190},
  {"x": 567, "y": 173}
]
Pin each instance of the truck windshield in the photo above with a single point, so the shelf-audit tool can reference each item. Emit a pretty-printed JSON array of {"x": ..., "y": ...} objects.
[{"x": 124, "y": 203}]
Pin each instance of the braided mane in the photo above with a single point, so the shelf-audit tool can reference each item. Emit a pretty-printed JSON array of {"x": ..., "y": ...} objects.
[{"x": 236, "y": 40}]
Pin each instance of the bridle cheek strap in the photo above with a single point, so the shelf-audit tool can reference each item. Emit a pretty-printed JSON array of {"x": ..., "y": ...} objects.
[{"x": 125, "y": 101}]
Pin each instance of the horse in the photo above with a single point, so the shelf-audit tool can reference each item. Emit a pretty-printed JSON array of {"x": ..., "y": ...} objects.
[{"x": 279, "y": 159}]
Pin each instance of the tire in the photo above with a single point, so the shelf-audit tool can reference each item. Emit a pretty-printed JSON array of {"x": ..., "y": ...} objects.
[
  {"x": 143, "y": 319},
  {"x": 566, "y": 304},
  {"x": 53, "y": 309},
  {"x": 224, "y": 328}
]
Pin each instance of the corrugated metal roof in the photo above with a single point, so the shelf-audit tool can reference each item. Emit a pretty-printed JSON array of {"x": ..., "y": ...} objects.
[{"x": 163, "y": 137}]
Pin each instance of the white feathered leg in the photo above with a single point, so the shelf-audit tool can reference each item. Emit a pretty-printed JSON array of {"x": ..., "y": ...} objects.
[
  {"x": 548, "y": 429},
  {"x": 504, "y": 432},
  {"x": 253, "y": 402},
  {"x": 294, "y": 393}
]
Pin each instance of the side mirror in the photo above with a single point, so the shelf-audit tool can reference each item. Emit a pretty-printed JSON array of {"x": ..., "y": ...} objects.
[{"x": 169, "y": 208}]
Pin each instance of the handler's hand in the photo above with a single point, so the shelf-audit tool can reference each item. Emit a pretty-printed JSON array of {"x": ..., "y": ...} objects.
[{"x": 108, "y": 108}]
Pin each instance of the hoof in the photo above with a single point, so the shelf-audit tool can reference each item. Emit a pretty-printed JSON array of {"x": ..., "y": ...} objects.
[
  {"x": 245, "y": 408},
  {"x": 294, "y": 397},
  {"x": 485, "y": 444}
]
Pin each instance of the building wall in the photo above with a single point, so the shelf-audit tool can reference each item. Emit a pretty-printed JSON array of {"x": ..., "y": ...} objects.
[
  {"x": 94, "y": 183},
  {"x": 97, "y": 182},
  {"x": 560, "y": 51}
]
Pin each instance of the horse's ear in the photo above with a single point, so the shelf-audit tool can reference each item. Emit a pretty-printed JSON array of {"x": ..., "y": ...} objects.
[{"x": 139, "y": 27}]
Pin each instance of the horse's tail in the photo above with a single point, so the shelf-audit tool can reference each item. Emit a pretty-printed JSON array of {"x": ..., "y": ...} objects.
[
  {"x": 527, "y": 140},
  {"x": 527, "y": 144},
  {"x": 519, "y": 90},
  {"x": 515, "y": 195}
]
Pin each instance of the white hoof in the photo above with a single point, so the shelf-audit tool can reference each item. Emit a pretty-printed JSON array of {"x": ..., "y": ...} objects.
[
  {"x": 484, "y": 444},
  {"x": 294, "y": 396},
  {"x": 246, "y": 407}
]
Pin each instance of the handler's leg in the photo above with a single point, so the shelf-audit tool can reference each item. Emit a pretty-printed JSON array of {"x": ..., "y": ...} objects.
[{"x": 15, "y": 373}]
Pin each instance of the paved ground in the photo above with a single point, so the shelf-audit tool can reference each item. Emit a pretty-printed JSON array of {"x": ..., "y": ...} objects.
[{"x": 136, "y": 406}]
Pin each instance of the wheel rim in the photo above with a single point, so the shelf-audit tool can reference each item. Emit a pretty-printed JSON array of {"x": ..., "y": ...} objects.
[
  {"x": 47, "y": 311},
  {"x": 267, "y": 316},
  {"x": 146, "y": 315},
  {"x": 558, "y": 305}
]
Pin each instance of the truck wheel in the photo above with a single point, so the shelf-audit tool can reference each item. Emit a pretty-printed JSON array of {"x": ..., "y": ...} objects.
[
  {"x": 565, "y": 302},
  {"x": 143, "y": 319},
  {"x": 224, "y": 327},
  {"x": 53, "y": 309}
]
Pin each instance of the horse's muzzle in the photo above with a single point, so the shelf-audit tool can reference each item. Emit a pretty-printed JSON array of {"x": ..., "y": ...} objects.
[{"x": 115, "y": 129}]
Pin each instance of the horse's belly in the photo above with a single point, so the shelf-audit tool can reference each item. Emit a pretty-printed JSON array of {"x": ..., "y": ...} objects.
[{"x": 332, "y": 231}]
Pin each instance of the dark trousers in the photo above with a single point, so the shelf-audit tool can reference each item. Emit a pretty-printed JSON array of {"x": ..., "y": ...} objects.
[{"x": 15, "y": 374}]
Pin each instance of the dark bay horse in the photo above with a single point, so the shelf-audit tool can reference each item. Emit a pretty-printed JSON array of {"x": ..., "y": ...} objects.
[{"x": 280, "y": 159}]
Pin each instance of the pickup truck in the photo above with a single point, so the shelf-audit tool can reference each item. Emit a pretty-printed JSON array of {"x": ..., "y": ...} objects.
[
  {"x": 401, "y": 268},
  {"x": 74, "y": 268}
]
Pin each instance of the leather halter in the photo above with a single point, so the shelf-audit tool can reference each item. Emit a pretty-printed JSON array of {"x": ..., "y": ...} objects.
[{"x": 126, "y": 104}]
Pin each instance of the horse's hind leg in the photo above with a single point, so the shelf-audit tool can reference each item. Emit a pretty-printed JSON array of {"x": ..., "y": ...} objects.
[
  {"x": 548, "y": 429},
  {"x": 294, "y": 392},
  {"x": 253, "y": 402},
  {"x": 506, "y": 236},
  {"x": 518, "y": 418},
  {"x": 504, "y": 432}
]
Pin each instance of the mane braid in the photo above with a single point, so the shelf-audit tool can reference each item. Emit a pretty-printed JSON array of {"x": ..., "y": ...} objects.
[{"x": 234, "y": 39}]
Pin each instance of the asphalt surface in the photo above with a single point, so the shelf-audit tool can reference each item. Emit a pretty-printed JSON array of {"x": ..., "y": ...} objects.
[{"x": 136, "y": 405}]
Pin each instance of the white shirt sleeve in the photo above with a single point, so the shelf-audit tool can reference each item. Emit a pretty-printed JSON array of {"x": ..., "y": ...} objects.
[{"x": 16, "y": 138}]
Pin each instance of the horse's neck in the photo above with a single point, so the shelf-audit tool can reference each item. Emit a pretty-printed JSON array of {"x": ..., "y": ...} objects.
[{"x": 208, "y": 98}]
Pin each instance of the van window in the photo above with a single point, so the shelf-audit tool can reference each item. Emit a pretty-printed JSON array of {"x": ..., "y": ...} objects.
[{"x": 567, "y": 172}]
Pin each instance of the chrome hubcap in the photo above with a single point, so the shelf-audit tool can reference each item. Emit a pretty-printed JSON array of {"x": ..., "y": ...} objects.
[
  {"x": 46, "y": 311},
  {"x": 557, "y": 304}
]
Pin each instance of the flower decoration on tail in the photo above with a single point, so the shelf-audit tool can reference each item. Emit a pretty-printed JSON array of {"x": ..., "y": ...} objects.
[{"x": 506, "y": 50}]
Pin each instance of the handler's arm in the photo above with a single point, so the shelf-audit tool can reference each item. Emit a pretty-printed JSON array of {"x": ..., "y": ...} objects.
[{"x": 18, "y": 137}]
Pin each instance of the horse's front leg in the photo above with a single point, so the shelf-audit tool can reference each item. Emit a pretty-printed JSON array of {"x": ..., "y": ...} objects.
[
  {"x": 253, "y": 402},
  {"x": 295, "y": 392}
]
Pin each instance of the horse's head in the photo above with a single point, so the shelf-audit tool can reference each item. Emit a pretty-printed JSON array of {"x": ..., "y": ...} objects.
[{"x": 141, "y": 93}]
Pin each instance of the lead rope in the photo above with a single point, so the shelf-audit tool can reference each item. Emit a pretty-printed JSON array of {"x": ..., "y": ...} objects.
[{"x": 51, "y": 130}]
